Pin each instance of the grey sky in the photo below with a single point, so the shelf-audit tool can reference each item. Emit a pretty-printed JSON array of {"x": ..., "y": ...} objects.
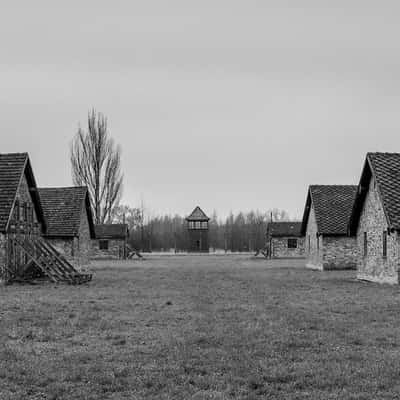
[{"x": 227, "y": 104}]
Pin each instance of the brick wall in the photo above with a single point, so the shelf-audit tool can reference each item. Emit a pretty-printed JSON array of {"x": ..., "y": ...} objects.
[
  {"x": 313, "y": 243},
  {"x": 63, "y": 245},
  {"x": 77, "y": 250},
  {"x": 83, "y": 248},
  {"x": 280, "y": 247},
  {"x": 339, "y": 252},
  {"x": 115, "y": 249},
  {"x": 22, "y": 197},
  {"x": 374, "y": 267},
  {"x": 328, "y": 252}
]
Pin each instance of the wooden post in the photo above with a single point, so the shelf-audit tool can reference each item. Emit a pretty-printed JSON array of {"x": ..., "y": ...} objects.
[
  {"x": 270, "y": 241},
  {"x": 125, "y": 238}
]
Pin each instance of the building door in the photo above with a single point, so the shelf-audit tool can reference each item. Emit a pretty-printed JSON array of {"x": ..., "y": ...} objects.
[{"x": 198, "y": 245}]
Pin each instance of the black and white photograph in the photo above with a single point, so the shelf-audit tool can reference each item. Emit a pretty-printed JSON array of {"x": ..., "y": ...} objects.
[{"x": 199, "y": 200}]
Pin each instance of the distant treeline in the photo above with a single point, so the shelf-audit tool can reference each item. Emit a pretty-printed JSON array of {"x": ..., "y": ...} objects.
[{"x": 238, "y": 232}]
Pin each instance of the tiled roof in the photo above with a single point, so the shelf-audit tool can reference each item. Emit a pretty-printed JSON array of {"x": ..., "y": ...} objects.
[
  {"x": 284, "y": 229},
  {"x": 333, "y": 205},
  {"x": 62, "y": 209},
  {"x": 12, "y": 167},
  {"x": 111, "y": 231},
  {"x": 385, "y": 167},
  {"x": 197, "y": 215}
]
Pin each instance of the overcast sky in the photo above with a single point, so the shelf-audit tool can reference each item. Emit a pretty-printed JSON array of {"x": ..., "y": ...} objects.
[{"x": 226, "y": 104}]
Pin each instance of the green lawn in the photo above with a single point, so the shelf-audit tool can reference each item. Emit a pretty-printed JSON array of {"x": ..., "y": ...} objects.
[{"x": 205, "y": 327}]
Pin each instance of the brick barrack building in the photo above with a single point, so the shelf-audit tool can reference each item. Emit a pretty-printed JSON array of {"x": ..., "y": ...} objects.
[
  {"x": 376, "y": 218},
  {"x": 284, "y": 240},
  {"x": 24, "y": 254},
  {"x": 21, "y": 213},
  {"x": 69, "y": 219},
  {"x": 111, "y": 241},
  {"x": 328, "y": 244}
]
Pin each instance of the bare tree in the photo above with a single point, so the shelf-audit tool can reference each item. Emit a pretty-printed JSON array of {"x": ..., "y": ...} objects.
[
  {"x": 96, "y": 163},
  {"x": 128, "y": 215}
]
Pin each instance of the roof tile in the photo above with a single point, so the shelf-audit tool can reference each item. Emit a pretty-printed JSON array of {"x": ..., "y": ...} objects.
[
  {"x": 62, "y": 209},
  {"x": 197, "y": 215},
  {"x": 11, "y": 169},
  {"x": 386, "y": 169},
  {"x": 333, "y": 205},
  {"x": 284, "y": 228},
  {"x": 111, "y": 231}
]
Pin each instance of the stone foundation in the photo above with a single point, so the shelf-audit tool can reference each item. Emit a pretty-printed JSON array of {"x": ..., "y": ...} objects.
[{"x": 392, "y": 280}]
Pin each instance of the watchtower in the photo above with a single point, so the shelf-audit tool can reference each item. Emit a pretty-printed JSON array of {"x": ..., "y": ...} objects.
[{"x": 197, "y": 225}]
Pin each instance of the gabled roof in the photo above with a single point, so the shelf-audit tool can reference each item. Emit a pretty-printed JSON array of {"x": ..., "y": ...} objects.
[
  {"x": 276, "y": 229},
  {"x": 62, "y": 207},
  {"x": 12, "y": 168},
  {"x": 112, "y": 231},
  {"x": 333, "y": 205},
  {"x": 385, "y": 169},
  {"x": 197, "y": 215}
]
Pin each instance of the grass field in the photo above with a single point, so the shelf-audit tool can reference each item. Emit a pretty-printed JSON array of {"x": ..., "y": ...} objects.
[{"x": 201, "y": 328}]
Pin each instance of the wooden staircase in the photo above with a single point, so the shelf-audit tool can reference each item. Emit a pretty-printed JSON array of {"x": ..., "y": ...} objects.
[
  {"x": 131, "y": 253},
  {"x": 262, "y": 252},
  {"x": 50, "y": 262}
]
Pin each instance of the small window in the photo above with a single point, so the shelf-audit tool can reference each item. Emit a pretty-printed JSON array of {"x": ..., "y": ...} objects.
[
  {"x": 292, "y": 243},
  {"x": 198, "y": 225},
  {"x": 204, "y": 225},
  {"x": 26, "y": 212},
  {"x": 384, "y": 244},
  {"x": 317, "y": 244},
  {"x": 21, "y": 212},
  {"x": 17, "y": 211},
  {"x": 309, "y": 244},
  {"x": 365, "y": 244},
  {"x": 103, "y": 244}
]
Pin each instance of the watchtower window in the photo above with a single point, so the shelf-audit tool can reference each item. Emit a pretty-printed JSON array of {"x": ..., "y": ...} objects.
[
  {"x": 292, "y": 243},
  {"x": 204, "y": 225},
  {"x": 197, "y": 224}
]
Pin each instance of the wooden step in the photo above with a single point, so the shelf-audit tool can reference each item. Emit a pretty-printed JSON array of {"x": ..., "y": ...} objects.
[{"x": 50, "y": 262}]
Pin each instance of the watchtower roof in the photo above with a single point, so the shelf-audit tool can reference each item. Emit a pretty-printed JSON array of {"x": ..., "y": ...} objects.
[{"x": 197, "y": 215}]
